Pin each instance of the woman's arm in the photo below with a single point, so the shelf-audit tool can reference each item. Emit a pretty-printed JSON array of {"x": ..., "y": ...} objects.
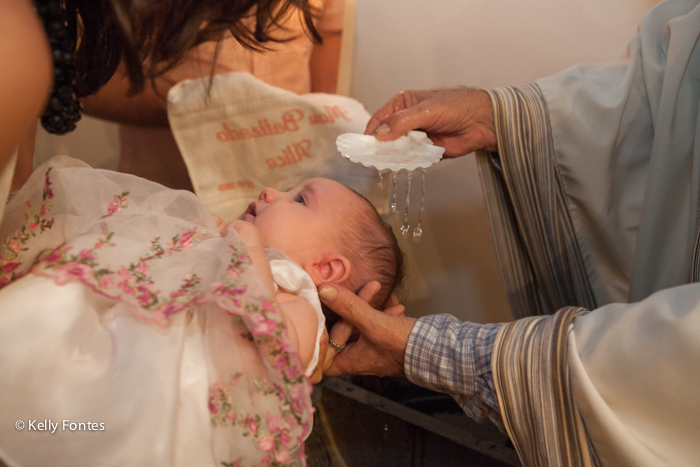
[
  {"x": 324, "y": 63},
  {"x": 26, "y": 78},
  {"x": 113, "y": 102}
]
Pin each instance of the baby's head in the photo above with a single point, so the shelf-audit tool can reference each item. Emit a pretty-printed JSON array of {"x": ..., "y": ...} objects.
[{"x": 332, "y": 232}]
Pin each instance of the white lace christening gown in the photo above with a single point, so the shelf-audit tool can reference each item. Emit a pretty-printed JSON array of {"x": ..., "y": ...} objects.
[{"x": 132, "y": 333}]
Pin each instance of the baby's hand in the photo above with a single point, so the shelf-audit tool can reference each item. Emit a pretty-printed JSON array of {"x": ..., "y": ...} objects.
[
  {"x": 252, "y": 239},
  {"x": 251, "y": 236},
  {"x": 221, "y": 225}
]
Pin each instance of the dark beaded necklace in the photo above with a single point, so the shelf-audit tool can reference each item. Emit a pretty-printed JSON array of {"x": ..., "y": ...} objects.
[{"x": 63, "y": 108}]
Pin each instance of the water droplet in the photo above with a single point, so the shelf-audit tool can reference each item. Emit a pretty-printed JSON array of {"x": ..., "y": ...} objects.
[
  {"x": 418, "y": 231},
  {"x": 394, "y": 182},
  {"x": 405, "y": 228},
  {"x": 380, "y": 180}
]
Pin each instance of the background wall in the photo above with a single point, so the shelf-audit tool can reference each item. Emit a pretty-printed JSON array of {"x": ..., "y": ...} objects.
[
  {"x": 414, "y": 44},
  {"x": 404, "y": 44}
]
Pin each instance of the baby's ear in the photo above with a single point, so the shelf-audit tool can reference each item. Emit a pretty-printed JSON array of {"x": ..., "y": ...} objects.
[{"x": 332, "y": 267}]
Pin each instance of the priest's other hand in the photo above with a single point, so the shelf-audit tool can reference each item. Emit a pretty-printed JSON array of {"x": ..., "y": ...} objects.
[{"x": 460, "y": 119}]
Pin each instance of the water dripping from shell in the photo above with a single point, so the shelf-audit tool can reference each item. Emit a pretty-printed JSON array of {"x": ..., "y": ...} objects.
[
  {"x": 405, "y": 228},
  {"x": 418, "y": 231},
  {"x": 394, "y": 182}
]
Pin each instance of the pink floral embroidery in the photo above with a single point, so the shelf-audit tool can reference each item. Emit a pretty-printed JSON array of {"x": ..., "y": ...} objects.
[
  {"x": 285, "y": 438},
  {"x": 132, "y": 281},
  {"x": 104, "y": 241},
  {"x": 299, "y": 399},
  {"x": 87, "y": 254},
  {"x": 263, "y": 321},
  {"x": 48, "y": 192},
  {"x": 284, "y": 457},
  {"x": 252, "y": 425},
  {"x": 106, "y": 280},
  {"x": 267, "y": 444},
  {"x": 272, "y": 432},
  {"x": 9, "y": 266},
  {"x": 15, "y": 245},
  {"x": 292, "y": 371},
  {"x": 232, "y": 464},
  {"x": 120, "y": 201},
  {"x": 220, "y": 402},
  {"x": 273, "y": 423},
  {"x": 35, "y": 223}
]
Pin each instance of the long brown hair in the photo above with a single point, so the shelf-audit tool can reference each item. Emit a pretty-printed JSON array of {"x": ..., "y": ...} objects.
[{"x": 153, "y": 36}]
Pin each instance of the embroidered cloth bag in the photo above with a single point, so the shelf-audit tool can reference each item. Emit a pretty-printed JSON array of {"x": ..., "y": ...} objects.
[{"x": 239, "y": 135}]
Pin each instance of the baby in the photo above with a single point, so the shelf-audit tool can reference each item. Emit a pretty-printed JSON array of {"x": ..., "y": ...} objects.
[
  {"x": 106, "y": 268},
  {"x": 331, "y": 232}
]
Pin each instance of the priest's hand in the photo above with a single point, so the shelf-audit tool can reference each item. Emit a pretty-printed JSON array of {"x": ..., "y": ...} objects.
[
  {"x": 381, "y": 346},
  {"x": 460, "y": 119}
]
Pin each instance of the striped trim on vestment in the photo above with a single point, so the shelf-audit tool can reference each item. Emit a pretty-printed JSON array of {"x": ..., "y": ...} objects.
[
  {"x": 543, "y": 271},
  {"x": 531, "y": 377},
  {"x": 695, "y": 272},
  {"x": 541, "y": 264}
]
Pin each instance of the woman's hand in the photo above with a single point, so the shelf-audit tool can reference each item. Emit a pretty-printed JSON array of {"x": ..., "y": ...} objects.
[
  {"x": 381, "y": 346},
  {"x": 460, "y": 120}
]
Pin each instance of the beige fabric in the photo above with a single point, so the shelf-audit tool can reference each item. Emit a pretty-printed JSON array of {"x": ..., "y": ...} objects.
[{"x": 243, "y": 135}]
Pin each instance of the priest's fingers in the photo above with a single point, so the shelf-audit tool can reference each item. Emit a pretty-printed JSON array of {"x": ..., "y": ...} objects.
[
  {"x": 370, "y": 289},
  {"x": 380, "y": 353},
  {"x": 348, "y": 306},
  {"x": 395, "y": 310},
  {"x": 341, "y": 332},
  {"x": 399, "y": 102},
  {"x": 460, "y": 119},
  {"x": 330, "y": 346}
]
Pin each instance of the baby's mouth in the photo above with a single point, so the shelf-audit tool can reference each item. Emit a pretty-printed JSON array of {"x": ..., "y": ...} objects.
[{"x": 250, "y": 213}]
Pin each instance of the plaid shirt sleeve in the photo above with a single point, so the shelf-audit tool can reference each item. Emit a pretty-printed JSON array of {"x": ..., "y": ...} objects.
[{"x": 454, "y": 357}]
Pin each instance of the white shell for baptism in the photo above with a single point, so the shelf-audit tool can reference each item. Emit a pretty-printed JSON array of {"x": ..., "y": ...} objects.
[{"x": 410, "y": 152}]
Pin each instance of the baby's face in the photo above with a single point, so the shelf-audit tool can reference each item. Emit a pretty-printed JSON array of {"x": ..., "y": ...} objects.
[{"x": 301, "y": 222}]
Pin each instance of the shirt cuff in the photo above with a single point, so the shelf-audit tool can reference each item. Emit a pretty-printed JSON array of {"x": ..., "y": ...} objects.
[{"x": 446, "y": 355}]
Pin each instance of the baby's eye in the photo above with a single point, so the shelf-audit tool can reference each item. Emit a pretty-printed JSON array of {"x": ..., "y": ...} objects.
[{"x": 300, "y": 200}]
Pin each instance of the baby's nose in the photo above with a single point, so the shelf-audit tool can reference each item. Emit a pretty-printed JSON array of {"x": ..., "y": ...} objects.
[{"x": 269, "y": 195}]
